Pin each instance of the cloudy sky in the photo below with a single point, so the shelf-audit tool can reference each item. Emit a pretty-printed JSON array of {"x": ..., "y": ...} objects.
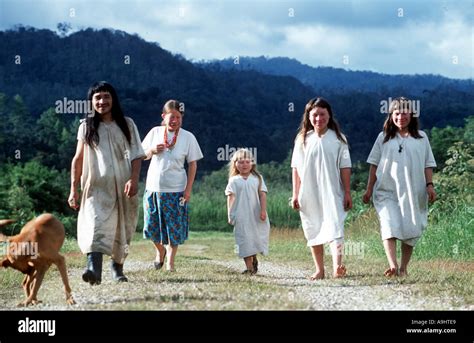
[{"x": 387, "y": 36}]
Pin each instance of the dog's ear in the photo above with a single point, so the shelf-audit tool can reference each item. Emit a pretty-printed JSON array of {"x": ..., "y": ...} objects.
[
  {"x": 5, "y": 263},
  {"x": 4, "y": 222}
]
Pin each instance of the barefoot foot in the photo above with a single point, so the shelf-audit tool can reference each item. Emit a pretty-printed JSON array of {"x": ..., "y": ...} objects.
[
  {"x": 340, "y": 271},
  {"x": 391, "y": 272},
  {"x": 317, "y": 276}
]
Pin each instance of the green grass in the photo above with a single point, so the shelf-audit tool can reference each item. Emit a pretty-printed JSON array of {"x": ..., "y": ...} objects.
[
  {"x": 448, "y": 235},
  {"x": 442, "y": 264},
  {"x": 203, "y": 282}
]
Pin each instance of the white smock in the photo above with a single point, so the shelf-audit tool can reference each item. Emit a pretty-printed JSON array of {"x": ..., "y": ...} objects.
[
  {"x": 107, "y": 217},
  {"x": 399, "y": 195},
  {"x": 321, "y": 196},
  {"x": 251, "y": 233}
]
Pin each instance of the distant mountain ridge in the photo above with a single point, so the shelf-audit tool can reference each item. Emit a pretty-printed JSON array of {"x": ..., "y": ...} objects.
[
  {"x": 339, "y": 79},
  {"x": 225, "y": 106}
]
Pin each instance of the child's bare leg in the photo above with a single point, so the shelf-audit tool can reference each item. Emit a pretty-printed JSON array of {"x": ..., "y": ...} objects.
[
  {"x": 339, "y": 270},
  {"x": 254, "y": 263},
  {"x": 407, "y": 250},
  {"x": 318, "y": 257},
  {"x": 160, "y": 252},
  {"x": 249, "y": 264},
  {"x": 171, "y": 251},
  {"x": 390, "y": 246}
]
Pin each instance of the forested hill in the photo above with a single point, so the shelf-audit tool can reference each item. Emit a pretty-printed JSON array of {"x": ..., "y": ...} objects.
[
  {"x": 340, "y": 80},
  {"x": 224, "y": 107}
]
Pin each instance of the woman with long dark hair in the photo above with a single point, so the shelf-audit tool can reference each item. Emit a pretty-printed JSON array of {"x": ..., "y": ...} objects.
[
  {"x": 321, "y": 184},
  {"x": 107, "y": 166},
  {"x": 401, "y": 180}
]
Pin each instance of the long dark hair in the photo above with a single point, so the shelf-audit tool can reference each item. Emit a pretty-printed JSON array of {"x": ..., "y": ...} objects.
[
  {"x": 389, "y": 127},
  {"x": 93, "y": 122},
  {"x": 306, "y": 125}
]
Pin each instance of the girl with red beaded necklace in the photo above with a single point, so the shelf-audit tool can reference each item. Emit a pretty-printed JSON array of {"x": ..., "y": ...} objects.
[{"x": 168, "y": 187}]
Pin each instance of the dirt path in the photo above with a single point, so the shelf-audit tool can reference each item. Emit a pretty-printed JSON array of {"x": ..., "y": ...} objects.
[
  {"x": 148, "y": 290},
  {"x": 347, "y": 294}
]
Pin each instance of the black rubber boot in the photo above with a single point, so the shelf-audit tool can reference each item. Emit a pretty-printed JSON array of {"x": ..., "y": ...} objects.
[
  {"x": 117, "y": 272},
  {"x": 93, "y": 272}
]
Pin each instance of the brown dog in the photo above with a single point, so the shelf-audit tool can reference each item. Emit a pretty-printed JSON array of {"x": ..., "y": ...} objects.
[{"x": 33, "y": 251}]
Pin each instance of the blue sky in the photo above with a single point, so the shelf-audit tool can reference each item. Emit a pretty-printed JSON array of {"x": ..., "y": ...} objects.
[{"x": 387, "y": 36}]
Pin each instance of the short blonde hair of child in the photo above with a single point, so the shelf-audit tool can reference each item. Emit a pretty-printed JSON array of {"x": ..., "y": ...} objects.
[{"x": 244, "y": 154}]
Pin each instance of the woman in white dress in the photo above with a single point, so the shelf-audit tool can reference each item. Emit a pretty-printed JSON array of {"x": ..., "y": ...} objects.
[
  {"x": 321, "y": 183},
  {"x": 400, "y": 178},
  {"x": 247, "y": 209},
  {"x": 107, "y": 166}
]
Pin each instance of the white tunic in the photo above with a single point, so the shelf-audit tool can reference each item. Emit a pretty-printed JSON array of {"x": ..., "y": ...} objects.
[
  {"x": 400, "y": 196},
  {"x": 107, "y": 218},
  {"x": 251, "y": 233},
  {"x": 321, "y": 195}
]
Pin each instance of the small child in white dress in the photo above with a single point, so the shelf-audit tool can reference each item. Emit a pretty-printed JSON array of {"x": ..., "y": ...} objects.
[{"x": 246, "y": 208}]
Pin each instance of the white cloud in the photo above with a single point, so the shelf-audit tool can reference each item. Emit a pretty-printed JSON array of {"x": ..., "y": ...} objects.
[{"x": 321, "y": 33}]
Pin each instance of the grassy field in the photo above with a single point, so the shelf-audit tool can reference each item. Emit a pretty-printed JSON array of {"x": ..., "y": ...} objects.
[{"x": 208, "y": 278}]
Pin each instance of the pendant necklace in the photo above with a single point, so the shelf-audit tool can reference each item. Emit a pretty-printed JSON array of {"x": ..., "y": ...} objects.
[{"x": 402, "y": 144}]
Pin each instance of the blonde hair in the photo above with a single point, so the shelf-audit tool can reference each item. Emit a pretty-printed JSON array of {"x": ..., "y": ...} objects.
[
  {"x": 173, "y": 105},
  {"x": 244, "y": 154}
]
